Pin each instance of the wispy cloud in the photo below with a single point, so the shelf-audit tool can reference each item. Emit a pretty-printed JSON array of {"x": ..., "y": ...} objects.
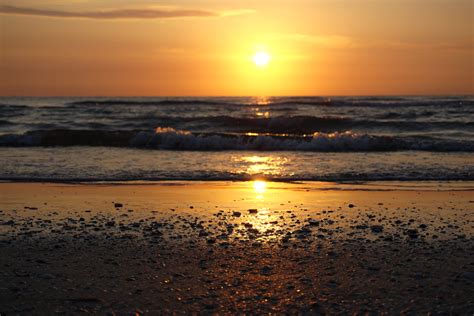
[
  {"x": 339, "y": 41},
  {"x": 320, "y": 40},
  {"x": 466, "y": 45},
  {"x": 148, "y": 13}
]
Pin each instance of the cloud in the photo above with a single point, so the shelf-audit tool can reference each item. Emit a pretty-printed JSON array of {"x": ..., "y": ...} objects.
[
  {"x": 151, "y": 13},
  {"x": 397, "y": 45},
  {"x": 319, "y": 40},
  {"x": 339, "y": 41}
]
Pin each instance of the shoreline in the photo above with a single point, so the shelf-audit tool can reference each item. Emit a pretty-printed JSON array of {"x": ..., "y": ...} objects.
[
  {"x": 233, "y": 180},
  {"x": 467, "y": 185},
  {"x": 235, "y": 247}
]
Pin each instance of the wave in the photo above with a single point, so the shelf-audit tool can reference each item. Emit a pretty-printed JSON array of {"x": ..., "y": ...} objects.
[
  {"x": 288, "y": 101},
  {"x": 354, "y": 179},
  {"x": 11, "y": 110},
  {"x": 303, "y": 124},
  {"x": 405, "y": 115},
  {"x": 166, "y": 138},
  {"x": 5, "y": 122},
  {"x": 298, "y": 124},
  {"x": 4, "y": 106},
  {"x": 209, "y": 101}
]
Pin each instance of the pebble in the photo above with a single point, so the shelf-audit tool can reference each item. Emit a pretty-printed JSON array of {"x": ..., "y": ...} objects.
[
  {"x": 469, "y": 275},
  {"x": 266, "y": 270},
  {"x": 376, "y": 228},
  {"x": 412, "y": 233}
]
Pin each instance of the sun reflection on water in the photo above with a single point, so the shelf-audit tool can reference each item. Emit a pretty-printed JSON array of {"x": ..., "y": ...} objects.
[
  {"x": 262, "y": 100},
  {"x": 260, "y": 165}
]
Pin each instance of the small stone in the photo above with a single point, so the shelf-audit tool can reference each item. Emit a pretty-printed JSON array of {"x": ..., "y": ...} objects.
[
  {"x": 210, "y": 306},
  {"x": 266, "y": 270},
  {"x": 469, "y": 275},
  {"x": 412, "y": 233},
  {"x": 253, "y": 211},
  {"x": 46, "y": 276},
  {"x": 351, "y": 205},
  {"x": 118, "y": 205},
  {"x": 376, "y": 228},
  {"x": 313, "y": 222},
  {"x": 236, "y": 214}
]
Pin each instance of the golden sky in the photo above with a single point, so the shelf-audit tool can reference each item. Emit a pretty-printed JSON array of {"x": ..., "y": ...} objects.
[{"x": 206, "y": 48}]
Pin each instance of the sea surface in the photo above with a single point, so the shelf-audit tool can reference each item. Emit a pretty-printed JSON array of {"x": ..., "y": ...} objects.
[{"x": 237, "y": 138}]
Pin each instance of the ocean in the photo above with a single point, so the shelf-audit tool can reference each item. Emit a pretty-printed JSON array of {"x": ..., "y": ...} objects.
[{"x": 69, "y": 139}]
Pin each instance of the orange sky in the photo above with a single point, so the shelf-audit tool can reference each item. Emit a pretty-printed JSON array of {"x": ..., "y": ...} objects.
[{"x": 198, "y": 47}]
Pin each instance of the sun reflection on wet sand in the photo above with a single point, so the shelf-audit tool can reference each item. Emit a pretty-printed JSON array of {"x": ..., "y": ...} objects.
[
  {"x": 261, "y": 223},
  {"x": 194, "y": 237}
]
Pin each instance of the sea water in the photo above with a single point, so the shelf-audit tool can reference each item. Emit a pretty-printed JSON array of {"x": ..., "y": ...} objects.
[{"x": 237, "y": 138}]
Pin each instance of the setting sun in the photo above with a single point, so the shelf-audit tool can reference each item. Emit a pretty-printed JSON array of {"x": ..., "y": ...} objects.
[{"x": 261, "y": 59}]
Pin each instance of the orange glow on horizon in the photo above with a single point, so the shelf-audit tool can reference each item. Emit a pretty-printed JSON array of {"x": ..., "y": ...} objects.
[{"x": 236, "y": 49}]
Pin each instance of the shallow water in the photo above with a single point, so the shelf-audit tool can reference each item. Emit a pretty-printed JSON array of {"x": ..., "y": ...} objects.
[{"x": 125, "y": 164}]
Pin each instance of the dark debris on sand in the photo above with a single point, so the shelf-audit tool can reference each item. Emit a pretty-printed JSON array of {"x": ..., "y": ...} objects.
[{"x": 235, "y": 261}]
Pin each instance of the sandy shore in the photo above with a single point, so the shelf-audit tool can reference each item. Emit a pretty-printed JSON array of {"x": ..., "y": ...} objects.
[{"x": 233, "y": 247}]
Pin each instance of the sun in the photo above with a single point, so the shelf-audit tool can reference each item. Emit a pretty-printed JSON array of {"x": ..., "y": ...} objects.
[{"x": 261, "y": 59}]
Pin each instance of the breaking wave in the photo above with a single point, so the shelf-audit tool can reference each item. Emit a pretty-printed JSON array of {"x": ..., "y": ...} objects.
[
  {"x": 304, "y": 124},
  {"x": 166, "y": 138}
]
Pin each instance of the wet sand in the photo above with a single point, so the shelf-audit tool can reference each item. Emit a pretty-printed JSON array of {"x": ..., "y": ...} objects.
[{"x": 233, "y": 247}]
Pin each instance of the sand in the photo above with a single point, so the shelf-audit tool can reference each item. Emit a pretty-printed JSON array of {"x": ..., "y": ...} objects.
[{"x": 236, "y": 247}]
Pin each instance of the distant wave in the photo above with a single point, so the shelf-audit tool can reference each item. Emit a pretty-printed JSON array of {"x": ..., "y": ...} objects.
[
  {"x": 11, "y": 110},
  {"x": 303, "y": 124},
  {"x": 282, "y": 101},
  {"x": 12, "y": 106},
  {"x": 5, "y": 122},
  {"x": 300, "y": 124},
  {"x": 297, "y": 124},
  {"x": 151, "y": 102},
  {"x": 171, "y": 139}
]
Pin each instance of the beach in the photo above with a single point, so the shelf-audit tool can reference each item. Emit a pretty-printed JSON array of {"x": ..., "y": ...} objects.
[
  {"x": 224, "y": 247},
  {"x": 236, "y": 157}
]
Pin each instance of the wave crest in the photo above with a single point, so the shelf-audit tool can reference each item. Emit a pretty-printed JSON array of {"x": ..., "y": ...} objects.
[{"x": 167, "y": 138}]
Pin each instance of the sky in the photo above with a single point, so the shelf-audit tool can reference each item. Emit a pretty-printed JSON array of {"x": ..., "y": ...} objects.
[{"x": 206, "y": 48}]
